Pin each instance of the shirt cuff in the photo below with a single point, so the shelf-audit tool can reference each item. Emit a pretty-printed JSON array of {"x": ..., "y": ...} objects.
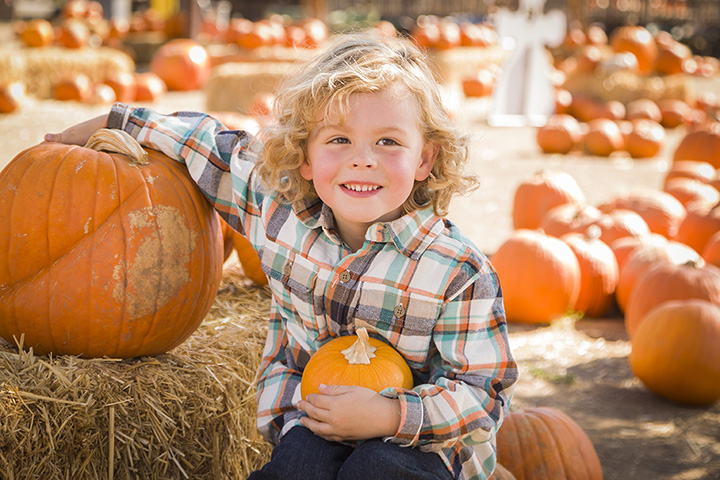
[
  {"x": 411, "y": 415},
  {"x": 117, "y": 118}
]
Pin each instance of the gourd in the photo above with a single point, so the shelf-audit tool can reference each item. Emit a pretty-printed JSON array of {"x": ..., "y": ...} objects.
[
  {"x": 674, "y": 351},
  {"x": 543, "y": 443},
  {"x": 101, "y": 255},
  {"x": 356, "y": 360}
]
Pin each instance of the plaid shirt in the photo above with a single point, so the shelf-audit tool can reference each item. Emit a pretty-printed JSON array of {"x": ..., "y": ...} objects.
[{"x": 417, "y": 283}]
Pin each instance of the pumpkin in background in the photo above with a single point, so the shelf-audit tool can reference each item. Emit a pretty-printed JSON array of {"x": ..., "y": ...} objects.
[
  {"x": 643, "y": 109},
  {"x": 700, "y": 223},
  {"x": 701, "y": 144},
  {"x": 672, "y": 57},
  {"x": 603, "y": 137},
  {"x": 356, "y": 360},
  {"x": 73, "y": 33},
  {"x": 711, "y": 252},
  {"x": 480, "y": 84},
  {"x": 646, "y": 256},
  {"x": 669, "y": 281},
  {"x": 183, "y": 64},
  {"x": 37, "y": 32},
  {"x": 598, "y": 271},
  {"x": 539, "y": 274},
  {"x": 623, "y": 247},
  {"x": 541, "y": 192},
  {"x": 544, "y": 443},
  {"x": 149, "y": 87},
  {"x": 645, "y": 139},
  {"x": 675, "y": 351},
  {"x": 662, "y": 212},
  {"x": 673, "y": 112},
  {"x": 688, "y": 191},
  {"x": 620, "y": 223},
  {"x": 249, "y": 260},
  {"x": 701, "y": 171},
  {"x": 560, "y": 134},
  {"x": 102, "y": 256},
  {"x": 637, "y": 40},
  {"x": 74, "y": 87},
  {"x": 569, "y": 218},
  {"x": 124, "y": 85},
  {"x": 12, "y": 95}
]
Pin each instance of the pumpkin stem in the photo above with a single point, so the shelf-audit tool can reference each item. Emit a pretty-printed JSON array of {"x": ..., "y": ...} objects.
[
  {"x": 117, "y": 141},
  {"x": 361, "y": 351}
]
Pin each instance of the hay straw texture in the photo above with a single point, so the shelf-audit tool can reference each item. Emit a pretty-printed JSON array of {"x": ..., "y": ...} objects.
[
  {"x": 453, "y": 65},
  {"x": 189, "y": 413},
  {"x": 232, "y": 86},
  {"x": 39, "y": 69}
]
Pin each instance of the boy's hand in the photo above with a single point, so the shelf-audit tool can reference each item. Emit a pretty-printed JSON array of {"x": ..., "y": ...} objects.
[
  {"x": 80, "y": 133},
  {"x": 350, "y": 413}
]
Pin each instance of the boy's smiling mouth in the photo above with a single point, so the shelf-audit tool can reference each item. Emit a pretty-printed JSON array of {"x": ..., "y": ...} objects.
[{"x": 357, "y": 187}]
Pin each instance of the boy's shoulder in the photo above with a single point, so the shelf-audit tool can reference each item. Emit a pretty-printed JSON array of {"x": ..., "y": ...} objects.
[{"x": 452, "y": 241}]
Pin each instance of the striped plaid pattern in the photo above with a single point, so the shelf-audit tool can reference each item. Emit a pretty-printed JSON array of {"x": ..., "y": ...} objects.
[{"x": 417, "y": 283}]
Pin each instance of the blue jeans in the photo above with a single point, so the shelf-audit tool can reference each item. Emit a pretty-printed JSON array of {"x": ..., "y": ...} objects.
[{"x": 303, "y": 455}]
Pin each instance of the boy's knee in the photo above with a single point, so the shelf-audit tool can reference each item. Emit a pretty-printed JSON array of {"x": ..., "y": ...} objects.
[{"x": 379, "y": 460}]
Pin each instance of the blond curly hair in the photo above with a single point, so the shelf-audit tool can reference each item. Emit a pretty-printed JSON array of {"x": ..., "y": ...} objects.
[{"x": 362, "y": 63}]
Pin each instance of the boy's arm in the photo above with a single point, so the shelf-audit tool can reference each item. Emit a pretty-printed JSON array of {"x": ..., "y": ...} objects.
[{"x": 80, "y": 133}]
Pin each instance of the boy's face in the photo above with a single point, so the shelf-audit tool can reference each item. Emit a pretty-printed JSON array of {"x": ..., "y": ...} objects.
[{"x": 365, "y": 169}]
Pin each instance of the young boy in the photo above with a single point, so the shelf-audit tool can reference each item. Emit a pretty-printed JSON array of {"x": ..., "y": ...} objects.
[{"x": 344, "y": 207}]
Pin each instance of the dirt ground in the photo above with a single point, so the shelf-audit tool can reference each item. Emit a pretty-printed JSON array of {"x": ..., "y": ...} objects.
[{"x": 577, "y": 366}]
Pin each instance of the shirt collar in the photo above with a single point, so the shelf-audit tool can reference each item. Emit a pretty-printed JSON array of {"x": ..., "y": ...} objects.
[{"x": 412, "y": 233}]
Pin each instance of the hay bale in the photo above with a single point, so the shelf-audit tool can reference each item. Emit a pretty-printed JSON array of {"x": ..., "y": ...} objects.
[
  {"x": 189, "y": 413},
  {"x": 231, "y": 86},
  {"x": 454, "y": 64},
  {"x": 626, "y": 86},
  {"x": 40, "y": 68}
]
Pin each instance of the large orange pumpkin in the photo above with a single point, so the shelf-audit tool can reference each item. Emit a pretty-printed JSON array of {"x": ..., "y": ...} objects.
[
  {"x": 675, "y": 351},
  {"x": 662, "y": 212},
  {"x": 539, "y": 274},
  {"x": 356, "y": 360},
  {"x": 543, "y": 443},
  {"x": 700, "y": 223},
  {"x": 541, "y": 192},
  {"x": 183, "y": 64},
  {"x": 598, "y": 271},
  {"x": 102, "y": 256},
  {"x": 701, "y": 144},
  {"x": 669, "y": 281}
]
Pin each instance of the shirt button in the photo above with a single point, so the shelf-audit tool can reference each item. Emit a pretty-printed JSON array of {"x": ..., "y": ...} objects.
[
  {"x": 345, "y": 276},
  {"x": 399, "y": 311},
  {"x": 287, "y": 269}
]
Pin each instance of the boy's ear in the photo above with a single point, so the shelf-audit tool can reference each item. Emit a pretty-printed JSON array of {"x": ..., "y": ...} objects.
[
  {"x": 306, "y": 170},
  {"x": 427, "y": 161}
]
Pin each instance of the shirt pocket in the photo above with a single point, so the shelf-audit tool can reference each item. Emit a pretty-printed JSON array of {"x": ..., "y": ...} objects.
[
  {"x": 406, "y": 320},
  {"x": 292, "y": 279}
]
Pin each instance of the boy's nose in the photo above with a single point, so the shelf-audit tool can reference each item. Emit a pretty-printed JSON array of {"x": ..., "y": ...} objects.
[{"x": 364, "y": 160}]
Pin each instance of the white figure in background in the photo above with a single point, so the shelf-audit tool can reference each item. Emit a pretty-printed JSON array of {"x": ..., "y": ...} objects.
[{"x": 524, "y": 94}]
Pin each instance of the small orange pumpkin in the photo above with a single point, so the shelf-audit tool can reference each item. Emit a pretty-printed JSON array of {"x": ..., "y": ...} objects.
[
  {"x": 569, "y": 218},
  {"x": 89, "y": 267},
  {"x": 37, "y": 32},
  {"x": 662, "y": 212},
  {"x": 701, "y": 144},
  {"x": 541, "y": 192},
  {"x": 689, "y": 191},
  {"x": 675, "y": 351},
  {"x": 603, "y": 137},
  {"x": 356, "y": 360},
  {"x": 700, "y": 223},
  {"x": 74, "y": 87},
  {"x": 124, "y": 85},
  {"x": 149, "y": 87},
  {"x": 645, "y": 139},
  {"x": 637, "y": 40},
  {"x": 183, "y": 64},
  {"x": 12, "y": 95},
  {"x": 560, "y": 134},
  {"x": 711, "y": 252}
]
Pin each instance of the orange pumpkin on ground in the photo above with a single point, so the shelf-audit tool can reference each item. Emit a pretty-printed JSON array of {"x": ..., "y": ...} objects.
[
  {"x": 669, "y": 281},
  {"x": 672, "y": 58},
  {"x": 701, "y": 144},
  {"x": 569, "y": 218},
  {"x": 689, "y": 191},
  {"x": 603, "y": 137},
  {"x": 645, "y": 139},
  {"x": 543, "y": 443},
  {"x": 623, "y": 247},
  {"x": 124, "y": 85},
  {"x": 37, "y": 32},
  {"x": 620, "y": 223},
  {"x": 183, "y": 64},
  {"x": 74, "y": 87},
  {"x": 480, "y": 84},
  {"x": 541, "y": 192},
  {"x": 675, "y": 351},
  {"x": 637, "y": 40},
  {"x": 701, "y": 222},
  {"x": 149, "y": 87},
  {"x": 662, "y": 212},
  {"x": 90, "y": 267},
  {"x": 560, "y": 134},
  {"x": 646, "y": 256},
  {"x": 540, "y": 276},
  {"x": 598, "y": 271},
  {"x": 12, "y": 95},
  {"x": 356, "y": 360},
  {"x": 673, "y": 112},
  {"x": 711, "y": 252},
  {"x": 73, "y": 33},
  {"x": 702, "y": 171}
]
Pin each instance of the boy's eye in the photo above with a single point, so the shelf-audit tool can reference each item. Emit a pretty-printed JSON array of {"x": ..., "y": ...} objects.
[
  {"x": 339, "y": 140},
  {"x": 387, "y": 142}
]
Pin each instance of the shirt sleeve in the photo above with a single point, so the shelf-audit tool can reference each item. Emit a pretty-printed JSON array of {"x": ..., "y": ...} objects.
[
  {"x": 220, "y": 161},
  {"x": 472, "y": 373}
]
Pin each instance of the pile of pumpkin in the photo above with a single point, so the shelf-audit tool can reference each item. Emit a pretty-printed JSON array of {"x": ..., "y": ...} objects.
[{"x": 655, "y": 254}]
